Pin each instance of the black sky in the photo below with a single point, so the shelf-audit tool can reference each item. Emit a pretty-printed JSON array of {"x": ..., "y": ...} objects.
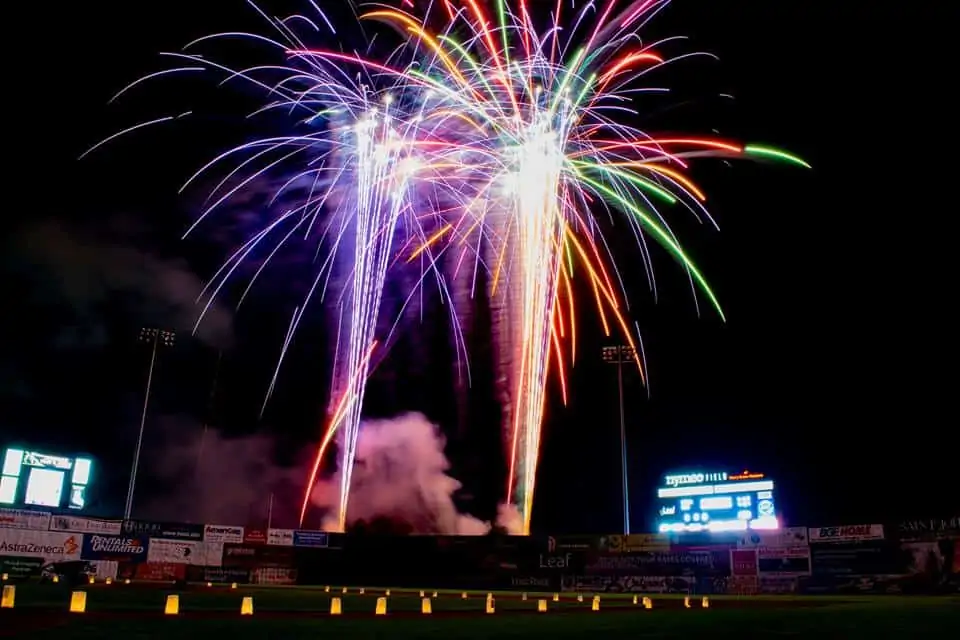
[{"x": 831, "y": 373}]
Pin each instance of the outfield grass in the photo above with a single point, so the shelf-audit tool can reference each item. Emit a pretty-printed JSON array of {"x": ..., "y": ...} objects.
[{"x": 135, "y": 611}]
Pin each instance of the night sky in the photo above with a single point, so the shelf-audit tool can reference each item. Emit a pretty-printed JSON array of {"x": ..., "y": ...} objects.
[{"x": 831, "y": 374}]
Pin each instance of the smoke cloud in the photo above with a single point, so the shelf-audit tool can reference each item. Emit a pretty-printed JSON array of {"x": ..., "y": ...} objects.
[
  {"x": 199, "y": 475},
  {"x": 83, "y": 271},
  {"x": 401, "y": 474}
]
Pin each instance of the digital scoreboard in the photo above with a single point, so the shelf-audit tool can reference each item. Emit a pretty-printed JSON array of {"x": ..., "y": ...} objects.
[
  {"x": 715, "y": 502},
  {"x": 42, "y": 480}
]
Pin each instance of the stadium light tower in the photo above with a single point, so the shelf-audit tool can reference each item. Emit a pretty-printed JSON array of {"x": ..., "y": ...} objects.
[
  {"x": 156, "y": 338},
  {"x": 621, "y": 355}
]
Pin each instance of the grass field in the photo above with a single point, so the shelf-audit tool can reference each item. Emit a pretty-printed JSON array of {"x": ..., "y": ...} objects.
[{"x": 136, "y": 611}]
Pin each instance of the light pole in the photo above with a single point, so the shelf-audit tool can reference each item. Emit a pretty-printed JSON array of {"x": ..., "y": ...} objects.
[
  {"x": 210, "y": 412},
  {"x": 157, "y": 338},
  {"x": 620, "y": 355}
]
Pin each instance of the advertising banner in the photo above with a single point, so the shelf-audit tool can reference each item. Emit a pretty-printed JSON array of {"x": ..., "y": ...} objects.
[
  {"x": 280, "y": 537},
  {"x": 240, "y": 576},
  {"x": 19, "y": 519},
  {"x": 743, "y": 562},
  {"x": 201, "y": 554},
  {"x": 86, "y": 525},
  {"x": 657, "y": 563},
  {"x": 783, "y": 561},
  {"x": 574, "y": 543},
  {"x": 153, "y": 571},
  {"x": 21, "y": 568},
  {"x": 786, "y": 537},
  {"x": 252, "y": 556},
  {"x": 168, "y": 530},
  {"x": 119, "y": 548},
  {"x": 274, "y": 575},
  {"x": 254, "y": 536},
  {"x": 572, "y": 562},
  {"x": 53, "y": 547},
  {"x": 645, "y": 584},
  {"x": 303, "y": 538},
  {"x": 636, "y": 542},
  {"x": 869, "y": 558},
  {"x": 222, "y": 533},
  {"x": 847, "y": 533},
  {"x": 239, "y": 556},
  {"x": 933, "y": 529},
  {"x": 529, "y": 582}
]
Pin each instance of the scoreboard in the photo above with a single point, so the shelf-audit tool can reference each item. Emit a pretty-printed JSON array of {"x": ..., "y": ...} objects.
[
  {"x": 715, "y": 502},
  {"x": 42, "y": 480}
]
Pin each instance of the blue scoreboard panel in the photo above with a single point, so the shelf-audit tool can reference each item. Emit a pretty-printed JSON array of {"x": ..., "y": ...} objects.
[{"x": 716, "y": 502}]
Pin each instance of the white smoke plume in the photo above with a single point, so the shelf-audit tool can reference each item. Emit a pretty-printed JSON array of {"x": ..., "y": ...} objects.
[{"x": 401, "y": 474}]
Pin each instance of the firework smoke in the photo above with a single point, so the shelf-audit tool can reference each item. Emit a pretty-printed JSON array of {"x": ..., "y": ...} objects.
[
  {"x": 401, "y": 474},
  {"x": 203, "y": 476}
]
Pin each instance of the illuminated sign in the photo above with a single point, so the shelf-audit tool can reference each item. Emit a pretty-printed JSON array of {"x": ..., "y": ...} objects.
[
  {"x": 694, "y": 478},
  {"x": 714, "y": 502},
  {"x": 44, "y": 480},
  {"x": 748, "y": 475}
]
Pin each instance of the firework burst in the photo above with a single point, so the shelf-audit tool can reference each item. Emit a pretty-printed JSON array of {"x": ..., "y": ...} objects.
[
  {"x": 492, "y": 138},
  {"x": 550, "y": 141}
]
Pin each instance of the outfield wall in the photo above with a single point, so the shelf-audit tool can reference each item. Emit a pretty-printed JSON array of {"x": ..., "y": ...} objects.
[{"x": 911, "y": 557}]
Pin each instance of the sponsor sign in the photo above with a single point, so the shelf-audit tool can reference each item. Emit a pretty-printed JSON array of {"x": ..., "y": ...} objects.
[
  {"x": 200, "y": 554},
  {"x": 532, "y": 583},
  {"x": 659, "y": 563},
  {"x": 51, "y": 546},
  {"x": 20, "y": 519},
  {"x": 254, "y": 536},
  {"x": 86, "y": 525},
  {"x": 643, "y": 584},
  {"x": 743, "y": 562},
  {"x": 222, "y": 533},
  {"x": 784, "y": 561},
  {"x": 120, "y": 548},
  {"x": 21, "y": 568},
  {"x": 570, "y": 562},
  {"x": 274, "y": 575},
  {"x": 933, "y": 529},
  {"x": 168, "y": 530},
  {"x": 303, "y": 538},
  {"x": 240, "y": 576},
  {"x": 280, "y": 537},
  {"x": 785, "y": 537},
  {"x": 154, "y": 571},
  {"x": 847, "y": 533},
  {"x": 635, "y": 542},
  {"x": 246, "y": 556},
  {"x": 867, "y": 558},
  {"x": 570, "y": 543}
]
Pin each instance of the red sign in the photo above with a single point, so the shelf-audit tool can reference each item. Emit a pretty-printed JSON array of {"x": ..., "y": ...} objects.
[
  {"x": 159, "y": 571},
  {"x": 743, "y": 562},
  {"x": 254, "y": 536},
  {"x": 746, "y": 475}
]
